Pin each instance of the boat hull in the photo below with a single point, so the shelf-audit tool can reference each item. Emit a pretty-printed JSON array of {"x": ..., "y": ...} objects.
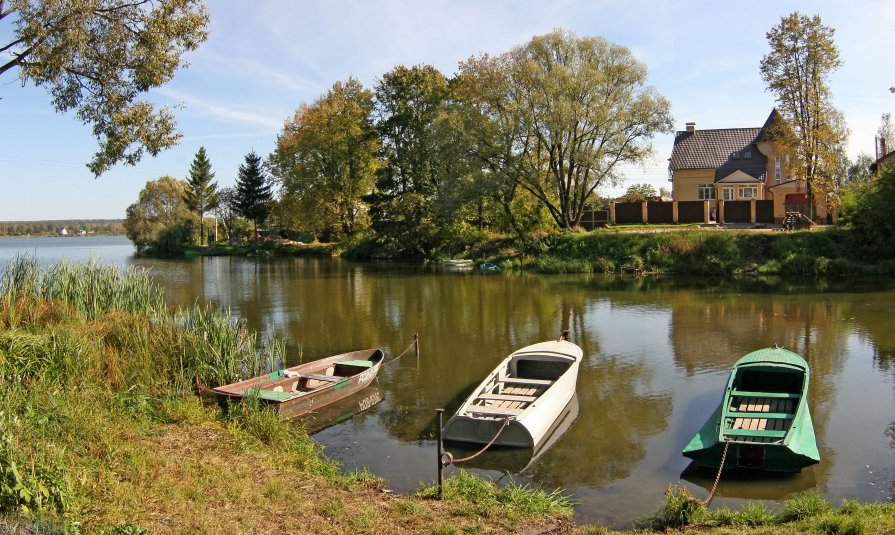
[
  {"x": 764, "y": 416},
  {"x": 531, "y": 409},
  {"x": 353, "y": 371}
]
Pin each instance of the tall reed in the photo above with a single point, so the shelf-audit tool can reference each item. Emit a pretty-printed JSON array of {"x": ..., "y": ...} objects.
[
  {"x": 154, "y": 347},
  {"x": 219, "y": 349}
]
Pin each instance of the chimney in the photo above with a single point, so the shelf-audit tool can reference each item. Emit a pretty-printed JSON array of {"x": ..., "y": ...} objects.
[{"x": 691, "y": 127}]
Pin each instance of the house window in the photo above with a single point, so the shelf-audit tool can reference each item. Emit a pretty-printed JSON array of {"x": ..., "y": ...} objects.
[
  {"x": 748, "y": 192},
  {"x": 727, "y": 194},
  {"x": 747, "y": 155},
  {"x": 778, "y": 176},
  {"x": 706, "y": 192}
]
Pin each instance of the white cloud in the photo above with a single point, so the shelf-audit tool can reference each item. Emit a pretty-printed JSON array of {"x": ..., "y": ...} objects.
[{"x": 230, "y": 112}]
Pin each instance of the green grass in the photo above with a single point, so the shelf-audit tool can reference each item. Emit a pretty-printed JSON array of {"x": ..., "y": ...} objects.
[
  {"x": 804, "y": 513},
  {"x": 511, "y": 504}
]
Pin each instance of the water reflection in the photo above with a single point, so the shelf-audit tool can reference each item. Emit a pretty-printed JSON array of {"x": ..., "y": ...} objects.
[
  {"x": 513, "y": 461},
  {"x": 340, "y": 411},
  {"x": 657, "y": 353}
]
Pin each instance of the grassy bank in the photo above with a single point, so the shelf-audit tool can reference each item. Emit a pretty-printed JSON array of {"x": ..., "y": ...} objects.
[
  {"x": 101, "y": 431},
  {"x": 805, "y": 513},
  {"x": 828, "y": 253},
  {"x": 266, "y": 248}
]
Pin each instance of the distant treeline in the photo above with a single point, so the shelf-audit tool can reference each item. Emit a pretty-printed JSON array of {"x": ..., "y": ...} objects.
[{"x": 73, "y": 227}]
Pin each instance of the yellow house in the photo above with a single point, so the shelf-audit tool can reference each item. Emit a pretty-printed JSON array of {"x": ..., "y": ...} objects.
[{"x": 734, "y": 164}]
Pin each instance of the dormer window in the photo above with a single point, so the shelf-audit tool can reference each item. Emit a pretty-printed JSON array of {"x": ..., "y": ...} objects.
[
  {"x": 736, "y": 155},
  {"x": 747, "y": 155}
]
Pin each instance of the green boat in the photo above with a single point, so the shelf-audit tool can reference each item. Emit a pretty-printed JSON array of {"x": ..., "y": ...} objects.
[{"x": 764, "y": 415}]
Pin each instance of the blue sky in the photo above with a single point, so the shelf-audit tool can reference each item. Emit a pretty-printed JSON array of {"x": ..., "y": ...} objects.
[{"x": 263, "y": 59}]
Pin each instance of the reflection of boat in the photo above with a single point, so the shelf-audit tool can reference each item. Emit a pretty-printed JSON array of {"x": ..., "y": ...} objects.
[
  {"x": 529, "y": 390},
  {"x": 457, "y": 262},
  {"x": 515, "y": 460},
  {"x": 342, "y": 410},
  {"x": 307, "y": 386},
  {"x": 752, "y": 485},
  {"x": 764, "y": 415}
]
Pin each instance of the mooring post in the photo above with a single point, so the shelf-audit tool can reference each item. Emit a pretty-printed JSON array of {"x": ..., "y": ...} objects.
[
  {"x": 416, "y": 343},
  {"x": 440, "y": 413}
]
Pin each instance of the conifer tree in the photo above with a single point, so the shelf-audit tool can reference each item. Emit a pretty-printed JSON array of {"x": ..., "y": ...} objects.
[
  {"x": 201, "y": 194},
  {"x": 253, "y": 191}
]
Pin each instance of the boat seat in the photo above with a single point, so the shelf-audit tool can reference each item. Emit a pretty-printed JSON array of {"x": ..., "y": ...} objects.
[
  {"x": 524, "y": 381},
  {"x": 494, "y": 411},
  {"x": 766, "y": 407},
  {"x": 784, "y": 395},
  {"x": 329, "y": 378},
  {"x": 755, "y": 433},
  {"x": 506, "y": 397}
]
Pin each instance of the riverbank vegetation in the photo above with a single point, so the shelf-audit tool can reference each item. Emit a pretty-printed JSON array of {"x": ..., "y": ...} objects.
[
  {"x": 829, "y": 253},
  {"x": 101, "y": 430},
  {"x": 73, "y": 227},
  {"x": 804, "y": 513}
]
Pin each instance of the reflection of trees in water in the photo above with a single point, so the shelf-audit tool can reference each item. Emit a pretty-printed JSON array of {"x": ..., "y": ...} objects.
[
  {"x": 609, "y": 438},
  {"x": 469, "y": 322},
  {"x": 710, "y": 331}
]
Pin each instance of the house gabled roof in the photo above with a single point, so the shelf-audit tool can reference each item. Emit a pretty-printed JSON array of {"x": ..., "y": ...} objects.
[{"x": 722, "y": 149}]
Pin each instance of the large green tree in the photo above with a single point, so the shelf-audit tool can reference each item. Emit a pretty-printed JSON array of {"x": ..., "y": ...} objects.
[
  {"x": 867, "y": 208},
  {"x": 201, "y": 193},
  {"x": 573, "y": 109},
  {"x": 407, "y": 102},
  {"x": 797, "y": 70},
  {"x": 98, "y": 57},
  {"x": 156, "y": 223},
  {"x": 326, "y": 160},
  {"x": 253, "y": 191}
]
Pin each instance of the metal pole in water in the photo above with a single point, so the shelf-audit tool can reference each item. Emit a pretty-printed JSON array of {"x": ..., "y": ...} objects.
[{"x": 440, "y": 413}]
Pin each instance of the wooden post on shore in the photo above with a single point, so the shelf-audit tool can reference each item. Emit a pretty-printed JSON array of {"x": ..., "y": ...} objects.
[{"x": 440, "y": 413}]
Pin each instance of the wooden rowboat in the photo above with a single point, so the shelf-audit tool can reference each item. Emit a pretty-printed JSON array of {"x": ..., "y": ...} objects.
[
  {"x": 764, "y": 414},
  {"x": 305, "y": 387},
  {"x": 529, "y": 390}
]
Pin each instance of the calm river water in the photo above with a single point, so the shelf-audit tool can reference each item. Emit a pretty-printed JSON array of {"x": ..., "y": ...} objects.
[{"x": 657, "y": 354}]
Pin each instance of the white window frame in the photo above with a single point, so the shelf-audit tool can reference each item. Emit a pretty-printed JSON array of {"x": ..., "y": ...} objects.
[
  {"x": 703, "y": 189},
  {"x": 752, "y": 189},
  {"x": 778, "y": 167},
  {"x": 727, "y": 193}
]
